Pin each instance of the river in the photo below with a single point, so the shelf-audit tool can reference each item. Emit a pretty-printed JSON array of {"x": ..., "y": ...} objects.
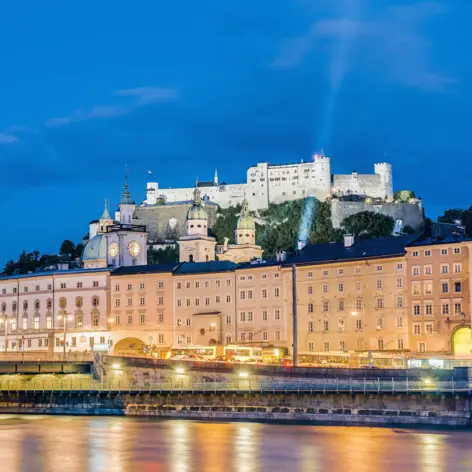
[{"x": 84, "y": 444}]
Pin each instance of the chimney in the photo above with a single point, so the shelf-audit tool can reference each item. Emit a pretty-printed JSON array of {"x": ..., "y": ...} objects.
[{"x": 348, "y": 240}]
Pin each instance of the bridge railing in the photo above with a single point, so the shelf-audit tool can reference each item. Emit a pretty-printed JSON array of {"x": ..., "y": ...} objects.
[{"x": 247, "y": 385}]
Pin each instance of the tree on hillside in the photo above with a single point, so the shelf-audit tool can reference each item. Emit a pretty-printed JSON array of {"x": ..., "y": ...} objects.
[
  {"x": 453, "y": 214},
  {"x": 322, "y": 230},
  {"x": 403, "y": 195},
  {"x": 67, "y": 248},
  {"x": 368, "y": 224},
  {"x": 168, "y": 255},
  {"x": 226, "y": 220}
]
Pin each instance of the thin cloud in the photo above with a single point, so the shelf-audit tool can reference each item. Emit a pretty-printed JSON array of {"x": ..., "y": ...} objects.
[
  {"x": 392, "y": 44},
  {"x": 141, "y": 96},
  {"x": 7, "y": 138},
  {"x": 145, "y": 95}
]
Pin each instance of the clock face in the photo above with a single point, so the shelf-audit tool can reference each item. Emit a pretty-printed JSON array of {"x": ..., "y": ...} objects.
[
  {"x": 134, "y": 249},
  {"x": 113, "y": 249}
]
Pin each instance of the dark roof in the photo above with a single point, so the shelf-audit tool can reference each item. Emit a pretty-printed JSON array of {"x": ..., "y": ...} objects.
[
  {"x": 389, "y": 246},
  {"x": 440, "y": 239},
  {"x": 46, "y": 273},
  {"x": 258, "y": 264},
  {"x": 144, "y": 269},
  {"x": 210, "y": 183},
  {"x": 204, "y": 267}
]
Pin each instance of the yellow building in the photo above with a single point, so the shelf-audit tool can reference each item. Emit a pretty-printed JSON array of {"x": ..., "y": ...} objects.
[{"x": 439, "y": 289}]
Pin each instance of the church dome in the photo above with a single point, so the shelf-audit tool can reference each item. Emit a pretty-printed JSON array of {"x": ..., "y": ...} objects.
[
  {"x": 245, "y": 220},
  {"x": 95, "y": 249},
  {"x": 197, "y": 210}
]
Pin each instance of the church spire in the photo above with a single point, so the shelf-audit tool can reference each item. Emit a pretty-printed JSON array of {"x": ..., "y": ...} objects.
[
  {"x": 106, "y": 213},
  {"x": 126, "y": 196},
  {"x": 215, "y": 179}
]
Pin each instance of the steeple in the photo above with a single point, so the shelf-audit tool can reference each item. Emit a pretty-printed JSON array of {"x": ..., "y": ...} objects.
[
  {"x": 106, "y": 213},
  {"x": 197, "y": 197},
  {"x": 215, "y": 179},
  {"x": 126, "y": 196}
]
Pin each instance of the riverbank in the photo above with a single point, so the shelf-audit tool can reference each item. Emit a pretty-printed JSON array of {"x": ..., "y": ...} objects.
[{"x": 449, "y": 410}]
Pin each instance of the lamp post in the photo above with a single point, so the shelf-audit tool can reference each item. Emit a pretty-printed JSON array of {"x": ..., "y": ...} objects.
[{"x": 64, "y": 318}]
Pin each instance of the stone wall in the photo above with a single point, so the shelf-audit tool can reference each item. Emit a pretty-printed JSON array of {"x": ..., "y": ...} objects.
[
  {"x": 156, "y": 219},
  {"x": 410, "y": 213}
]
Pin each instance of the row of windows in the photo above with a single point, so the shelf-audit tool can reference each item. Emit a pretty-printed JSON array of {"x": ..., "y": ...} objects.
[
  {"x": 444, "y": 287},
  {"x": 248, "y": 294},
  {"x": 77, "y": 322},
  {"x": 79, "y": 302},
  {"x": 425, "y": 328},
  {"x": 445, "y": 308},
  {"x": 37, "y": 288},
  {"x": 341, "y": 324},
  {"x": 142, "y": 286},
  {"x": 248, "y": 316},
  {"x": 357, "y": 270},
  {"x": 443, "y": 269},
  {"x": 249, "y": 336},
  {"x": 342, "y": 345},
  {"x": 444, "y": 252},
  {"x": 204, "y": 284},
  {"x": 326, "y": 305},
  {"x": 206, "y": 301}
]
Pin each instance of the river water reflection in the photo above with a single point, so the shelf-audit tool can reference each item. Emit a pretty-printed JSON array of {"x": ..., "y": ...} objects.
[{"x": 76, "y": 444}]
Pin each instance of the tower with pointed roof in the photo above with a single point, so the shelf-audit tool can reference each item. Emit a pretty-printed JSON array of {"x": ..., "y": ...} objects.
[
  {"x": 245, "y": 248},
  {"x": 105, "y": 220},
  {"x": 197, "y": 246},
  {"x": 127, "y": 205}
]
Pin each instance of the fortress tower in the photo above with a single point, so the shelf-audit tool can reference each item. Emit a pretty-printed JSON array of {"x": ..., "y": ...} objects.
[{"x": 384, "y": 171}]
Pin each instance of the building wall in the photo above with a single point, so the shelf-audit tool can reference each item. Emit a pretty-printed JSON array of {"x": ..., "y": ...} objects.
[
  {"x": 164, "y": 222},
  {"x": 352, "y": 306},
  {"x": 141, "y": 308},
  {"x": 434, "y": 312},
  {"x": 410, "y": 213},
  {"x": 262, "y": 307},
  {"x": 42, "y": 299}
]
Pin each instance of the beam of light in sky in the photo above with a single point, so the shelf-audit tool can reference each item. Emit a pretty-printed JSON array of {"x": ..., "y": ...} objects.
[{"x": 341, "y": 57}]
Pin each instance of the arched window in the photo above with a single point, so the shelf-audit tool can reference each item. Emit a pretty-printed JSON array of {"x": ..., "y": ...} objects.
[
  {"x": 36, "y": 305},
  {"x": 62, "y": 302},
  {"x": 79, "y": 301},
  {"x": 96, "y": 321},
  {"x": 49, "y": 304},
  {"x": 190, "y": 258},
  {"x": 95, "y": 301},
  {"x": 25, "y": 305},
  {"x": 4, "y": 307},
  {"x": 207, "y": 258},
  {"x": 13, "y": 306}
]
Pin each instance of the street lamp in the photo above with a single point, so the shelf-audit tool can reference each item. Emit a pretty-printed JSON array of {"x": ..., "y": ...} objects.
[{"x": 65, "y": 318}]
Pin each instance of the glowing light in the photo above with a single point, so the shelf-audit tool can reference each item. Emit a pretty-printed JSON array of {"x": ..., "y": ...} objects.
[
  {"x": 243, "y": 374},
  {"x": 276, "y": 352},
  {"x": 427, "y": 381},
  {"x": 354, "y": 313},
  {"x": 307, "y": 218},
  {"x": 180, "y": 370},
  {"x": 116, "y": 366}
]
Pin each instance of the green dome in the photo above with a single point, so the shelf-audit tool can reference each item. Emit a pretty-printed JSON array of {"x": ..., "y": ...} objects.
[
  {"x": 246, "y": 221},
  {"x": 197, "y": 211}
]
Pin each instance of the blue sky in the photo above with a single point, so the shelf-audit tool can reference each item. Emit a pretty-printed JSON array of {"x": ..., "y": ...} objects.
[{"x": 183, "y": 87}]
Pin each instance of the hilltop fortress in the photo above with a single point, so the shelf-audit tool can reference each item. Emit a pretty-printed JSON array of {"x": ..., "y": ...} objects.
[{"x": 267, "y": 183}]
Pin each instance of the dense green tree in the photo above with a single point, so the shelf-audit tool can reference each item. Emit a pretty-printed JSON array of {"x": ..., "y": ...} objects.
[
  {"x": 67, "y": 248},
  {"x": 168, "y": 255},
  {"x": 368, "y": 224},
  {"x": 226, "y": 220},
  {"x": 403, "y": 195},
  {"x": 451, "y": 215},
  {"x": 78, "y": 251}
]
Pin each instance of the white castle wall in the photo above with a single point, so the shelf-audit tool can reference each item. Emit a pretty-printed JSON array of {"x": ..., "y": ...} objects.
[{"x": 276, "y": 184}]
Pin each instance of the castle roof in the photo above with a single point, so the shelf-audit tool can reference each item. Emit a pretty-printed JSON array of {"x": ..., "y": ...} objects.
[
  {"x": 204, "y": 267},
  {"x": 145, "y": 269}
]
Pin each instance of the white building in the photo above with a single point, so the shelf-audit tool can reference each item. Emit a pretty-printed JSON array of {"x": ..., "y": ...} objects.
[
  {"x": 267, "y": 183},
  {"x": 38, "y": 311}
]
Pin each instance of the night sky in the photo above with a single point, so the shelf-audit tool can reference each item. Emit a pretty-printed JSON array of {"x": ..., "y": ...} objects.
[{"x": 183, "y": 86}]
